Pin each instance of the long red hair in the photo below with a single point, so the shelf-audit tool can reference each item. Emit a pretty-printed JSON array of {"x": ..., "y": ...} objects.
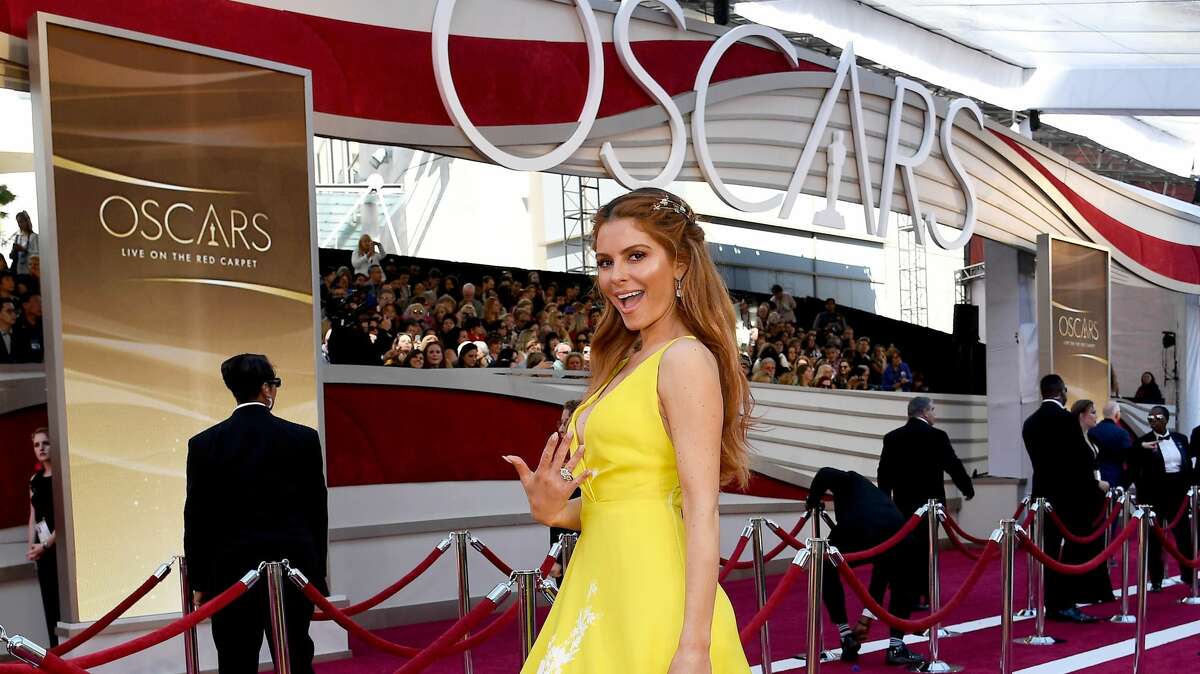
[{"x": 705, "y": 309}]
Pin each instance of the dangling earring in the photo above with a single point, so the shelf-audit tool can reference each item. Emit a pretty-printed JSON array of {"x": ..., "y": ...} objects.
[{"x": 678, "y": 288}]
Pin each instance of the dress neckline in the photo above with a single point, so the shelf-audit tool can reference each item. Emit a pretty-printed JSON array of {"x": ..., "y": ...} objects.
[{"x": 604, "y": 392}]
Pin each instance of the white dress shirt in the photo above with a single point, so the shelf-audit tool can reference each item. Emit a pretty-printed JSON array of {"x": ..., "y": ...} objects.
[{"x": 1172, "y": 457}]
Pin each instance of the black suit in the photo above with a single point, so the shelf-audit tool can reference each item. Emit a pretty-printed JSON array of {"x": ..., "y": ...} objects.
[
  {"x": 912, "y": 466},
  {"x": 1063, "y": 473},
  {"x": 1165, "y": 492},
  {"x": 20, "y": 351},
  {"x": 865, "y": 518},
  {"x": 255, "y": 492}
]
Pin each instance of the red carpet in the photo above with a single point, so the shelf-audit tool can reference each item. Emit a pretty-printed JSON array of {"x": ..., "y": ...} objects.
[{"x": 976, "y": 650}]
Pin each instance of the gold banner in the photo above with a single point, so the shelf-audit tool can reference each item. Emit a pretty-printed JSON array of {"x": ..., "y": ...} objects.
[
  {"x": 181, "y": 209},
  {"x": 1079, "y": 328}
]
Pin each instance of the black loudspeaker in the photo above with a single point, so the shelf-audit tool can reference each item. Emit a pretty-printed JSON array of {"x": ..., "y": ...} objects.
[
  {"x": 721, "y": 12},
  {"x": 966, "y": 323}
]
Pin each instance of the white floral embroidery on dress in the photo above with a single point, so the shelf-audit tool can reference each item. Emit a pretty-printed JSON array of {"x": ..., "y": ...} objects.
[{"x": 558, "y": 655}]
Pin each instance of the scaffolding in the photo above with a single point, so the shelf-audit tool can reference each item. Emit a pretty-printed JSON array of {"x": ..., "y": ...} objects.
[
  {"x": 914, "y": 297},
  {"x": 580, "y": 201},
  {"x": 963, "y": 278}
]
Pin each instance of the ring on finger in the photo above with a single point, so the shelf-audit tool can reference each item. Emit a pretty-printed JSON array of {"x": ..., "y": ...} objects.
[{"x": 565, "y": 474}]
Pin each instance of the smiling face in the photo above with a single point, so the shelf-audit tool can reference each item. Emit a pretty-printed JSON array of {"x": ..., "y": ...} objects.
[{"x": 636, "y": 273}]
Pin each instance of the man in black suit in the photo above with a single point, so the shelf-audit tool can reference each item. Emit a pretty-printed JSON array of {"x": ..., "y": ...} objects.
[
  {"x": 14, "y": 346},
  {"x": 1163, "y": 473},
  {"x": 914, "y": 459},
  {"x": 255, "y": 492},
  {"x": 1063, "y": 474},
  {"x": 866, "y": 517}
]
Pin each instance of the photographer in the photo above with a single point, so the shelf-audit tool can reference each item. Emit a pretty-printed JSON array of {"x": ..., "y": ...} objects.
[{"x": 369, "y": 253}]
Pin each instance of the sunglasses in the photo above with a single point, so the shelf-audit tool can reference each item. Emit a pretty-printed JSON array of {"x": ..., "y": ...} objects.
[
  {"x": 274, "y": 381},
  {"x": 1156, "y": 417}
]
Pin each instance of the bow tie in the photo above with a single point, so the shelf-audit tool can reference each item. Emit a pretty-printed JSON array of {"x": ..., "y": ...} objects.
[{"x": 1163, "y": 437}]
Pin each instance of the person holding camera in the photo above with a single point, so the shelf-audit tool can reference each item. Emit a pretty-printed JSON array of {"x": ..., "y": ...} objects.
[
  {"x": 25, "y": 245},
  {"x": 368, "y": 254}
]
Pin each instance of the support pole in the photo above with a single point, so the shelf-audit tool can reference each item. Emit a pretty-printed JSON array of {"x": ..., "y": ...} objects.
[
  {"x": 568, "y": 542},
  {"x": 191, "y": 653},
  {"x": 1039, "y": 638},
  {"x": 527, "y": 589},
  {"x": 935, "y": 663},
  {"x": 1143, "y": 571},
  {"x": 462, "y": 541},
  {"x": 1008, "y": 548},
  {"x": 1125, "y": 616},
  {"x": 1029, "y": 611},
  {"x": 279, "y": 640},
  {"x": 760, "y": 589},
  {"x": 1193, "y": 597},
  {"x": 816, "y": 573}
]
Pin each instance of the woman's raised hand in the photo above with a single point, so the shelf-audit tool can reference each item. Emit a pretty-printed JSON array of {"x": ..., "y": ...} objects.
[{"x": 545, "y": 487}]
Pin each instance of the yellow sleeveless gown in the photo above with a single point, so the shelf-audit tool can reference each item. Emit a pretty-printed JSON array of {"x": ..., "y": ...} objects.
[{"x": 620, "y": 609}]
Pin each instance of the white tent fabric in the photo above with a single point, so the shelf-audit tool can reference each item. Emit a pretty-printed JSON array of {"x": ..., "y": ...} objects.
[{"x": 1189, "y": 366}]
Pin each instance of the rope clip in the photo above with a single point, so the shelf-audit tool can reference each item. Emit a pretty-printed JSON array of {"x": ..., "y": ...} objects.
[{"x": 445, "y": 543}]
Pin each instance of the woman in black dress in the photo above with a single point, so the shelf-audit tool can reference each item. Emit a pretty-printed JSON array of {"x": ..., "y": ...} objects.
[
  {"x": 1095, "y": 587},
  {"x": 41, "y": 530}
]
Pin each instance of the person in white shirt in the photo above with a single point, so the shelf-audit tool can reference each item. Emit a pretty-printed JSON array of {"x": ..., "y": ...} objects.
[
  {"x": 1164, "y": 470},
  {"x": 368, "y": 254}
]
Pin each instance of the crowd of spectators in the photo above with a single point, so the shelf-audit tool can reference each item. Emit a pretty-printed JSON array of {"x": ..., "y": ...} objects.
[
  {"x": 826, "y": 355},
  {"x": 21, "y": 337},
  {"x": 381, "y": 311}
]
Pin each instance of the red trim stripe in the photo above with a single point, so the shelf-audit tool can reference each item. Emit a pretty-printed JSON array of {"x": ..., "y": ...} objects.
[
  {"x": 386, "y": 74},
  {"x": 1177, "y": 261}
]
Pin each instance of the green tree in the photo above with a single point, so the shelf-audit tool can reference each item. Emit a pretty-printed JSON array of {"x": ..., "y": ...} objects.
[{"x": 6, "y": 198}]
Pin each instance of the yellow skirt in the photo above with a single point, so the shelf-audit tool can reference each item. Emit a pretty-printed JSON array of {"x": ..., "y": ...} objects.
[{"x": 620, "y": 609}]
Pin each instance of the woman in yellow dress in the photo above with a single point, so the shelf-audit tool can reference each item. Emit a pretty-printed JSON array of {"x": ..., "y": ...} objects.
[{"x": 661, "y": 429}]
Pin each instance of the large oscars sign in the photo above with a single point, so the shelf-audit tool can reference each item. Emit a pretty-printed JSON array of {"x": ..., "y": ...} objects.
[
  {"x": 1073, "y": 316},
  {"x": 177, "y": 185},
  {"x": 895, "y": 158}
]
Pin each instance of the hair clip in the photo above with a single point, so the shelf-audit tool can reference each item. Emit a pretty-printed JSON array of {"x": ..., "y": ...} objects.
[{"x": 666, "y": 203}]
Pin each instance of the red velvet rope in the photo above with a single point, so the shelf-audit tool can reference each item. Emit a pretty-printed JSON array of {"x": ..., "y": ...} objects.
[
  {"x": 1089, "y": 538},
  {"x": 1179, "y": 515},
  {"x": 890, "y": 543},
  {"x": 988, "y": 553},
  {"x": 56, "y": 665},
  {"x": 108, "y": 618},
  {"x": 952, "y": 523},
  {"x": 792, "y": 541},
  {"x": 441, "y": 646},
  {"x": 959, "y": 545},
  {"x": 732, "y": 563},
  {"x": 1020, "y": 508},
  {"x": 773, "y": 552},
  {"x": 1170, "y": 546},
  {"x": 390, "y": 590},
  {"x": 492, "y": 557},
  {"x": 547, "y": 565},
  {"x": 1079, "y": 569},
  {"x": 343, "y": 619},
  {"x": 773, "y": 602},
  {"x": 163, "y": 633},
  {"x": 1029, "y": 518}
]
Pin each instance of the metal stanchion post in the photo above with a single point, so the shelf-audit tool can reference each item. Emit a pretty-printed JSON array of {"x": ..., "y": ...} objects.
[
  {"x": 1108, "y": 505},
  {"x": 935, "y": 663},
  {"x": 1008, "y": 548},
  {"x": 1143, "y": 571},
  {"x": 527, "y": 588},
  {"x": 279, "y": 640},
  {"x": 1193, "y": 598},
  {"x": 1126, "y": 501},
  {"x": 191, "y": 653},
  {"x": 1039, "y": 638},
  {"x": 1029, "y": 611},
  {"x": 816, "y": 573},
  {"x": 568, "y": 542},
  {"x": 462, "y": 541},
  {"x": 760, "y": 589}
]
